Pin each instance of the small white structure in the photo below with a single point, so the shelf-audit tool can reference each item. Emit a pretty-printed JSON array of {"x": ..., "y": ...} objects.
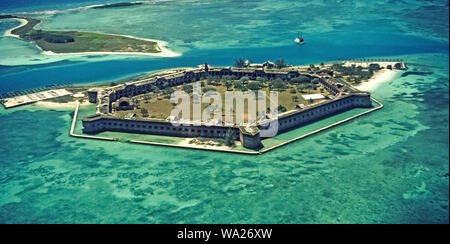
[
  {"x": 172, "y": 118},
  {"x": 313, "y": 96}
]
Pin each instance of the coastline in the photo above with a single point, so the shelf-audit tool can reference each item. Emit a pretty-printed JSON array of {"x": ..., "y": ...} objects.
[
  {"x": 23, "y": 22},
  {"x": 161, "y": 46},
  {"x": 381, "y": 76},
  {"x": 164, "y": 52},
  {"x": 185, "y": 143}
]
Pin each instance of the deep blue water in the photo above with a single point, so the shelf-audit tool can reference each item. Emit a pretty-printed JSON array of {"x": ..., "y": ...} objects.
[
  {"x": 315, "y": 51},
  {"x": 13, "y": 6}
]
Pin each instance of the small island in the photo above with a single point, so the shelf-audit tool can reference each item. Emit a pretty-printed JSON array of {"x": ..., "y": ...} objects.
[
  {"x": 72, "y": 42},
  {"x": 118, "y": 5}
]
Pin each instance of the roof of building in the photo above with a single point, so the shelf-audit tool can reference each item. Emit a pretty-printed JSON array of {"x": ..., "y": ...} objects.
[
  {"x": 124, "y": 99},
  {"x": 249, "y": 130}
]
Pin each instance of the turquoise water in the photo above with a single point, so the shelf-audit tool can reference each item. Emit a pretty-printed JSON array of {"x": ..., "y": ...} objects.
[{"x": 390, "y": 166}]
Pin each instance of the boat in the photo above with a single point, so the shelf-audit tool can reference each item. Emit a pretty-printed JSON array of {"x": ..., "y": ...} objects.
[{"x": 299, "y": 40}]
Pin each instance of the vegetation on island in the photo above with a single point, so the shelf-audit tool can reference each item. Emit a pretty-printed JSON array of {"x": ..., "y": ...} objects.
[
  {"x": 280, "y": 63},
  {"x": 242, "y": 63},
  {"x": 229, "y": 138},
  {"x": 354, "y": 74},
  {"x": 156, "y": 104},
  {"x": 360, "y": 70},
  {"x": 76, "y": 41}
]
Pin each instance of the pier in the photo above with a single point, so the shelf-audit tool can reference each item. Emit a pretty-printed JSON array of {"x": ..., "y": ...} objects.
[{"x": 20, "y": 100}]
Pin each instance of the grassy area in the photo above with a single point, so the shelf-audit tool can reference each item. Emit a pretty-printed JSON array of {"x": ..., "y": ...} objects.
[
  {"x": 75, "y": 41},
  {"x": 94, "y": 42},
  {"x": 158, "y": 105}
]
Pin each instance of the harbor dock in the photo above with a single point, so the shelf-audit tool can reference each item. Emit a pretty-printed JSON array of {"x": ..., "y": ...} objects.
[{"x": 33, "y": 97}]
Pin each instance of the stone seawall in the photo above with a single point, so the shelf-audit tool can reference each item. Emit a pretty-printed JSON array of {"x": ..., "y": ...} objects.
[
  {"x": 286, "y": 121},
  {"x": 96, "y": 124},
  {"x": 293, "y": 119}
]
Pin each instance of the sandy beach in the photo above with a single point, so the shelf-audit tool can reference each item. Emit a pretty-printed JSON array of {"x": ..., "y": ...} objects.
[
  {"x": 161, "y": 45},
  {"x": 23, "y": 22},
  {"x": 185, "y": 143},
  {"x": 47, "y": 104},
  {"x": 164, "y": 53},
  {"x": 378, "y": 78}
]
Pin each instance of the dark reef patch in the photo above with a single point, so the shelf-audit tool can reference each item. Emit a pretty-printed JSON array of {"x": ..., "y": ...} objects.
[
  {"x": 416, "y": 73},
  {"x": 118, "y": 5}
]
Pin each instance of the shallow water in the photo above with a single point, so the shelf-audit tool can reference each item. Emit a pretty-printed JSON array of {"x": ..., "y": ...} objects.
[{"x": 390, "y": 166}]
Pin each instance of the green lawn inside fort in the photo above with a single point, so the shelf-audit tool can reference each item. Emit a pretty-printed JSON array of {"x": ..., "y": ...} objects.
[
  {"x": 157, "y": 105},
  {"x": 78, "y": 42}
]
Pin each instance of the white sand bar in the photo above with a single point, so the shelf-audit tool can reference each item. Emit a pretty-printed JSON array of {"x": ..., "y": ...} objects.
[
  {"x": 161, "y": 45},
  {"x": 34, "y": 97},
  {"x": 313, "y": 96},
  {"x": 379, "y": 77},
  {"x": 23, "y": 22}
]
